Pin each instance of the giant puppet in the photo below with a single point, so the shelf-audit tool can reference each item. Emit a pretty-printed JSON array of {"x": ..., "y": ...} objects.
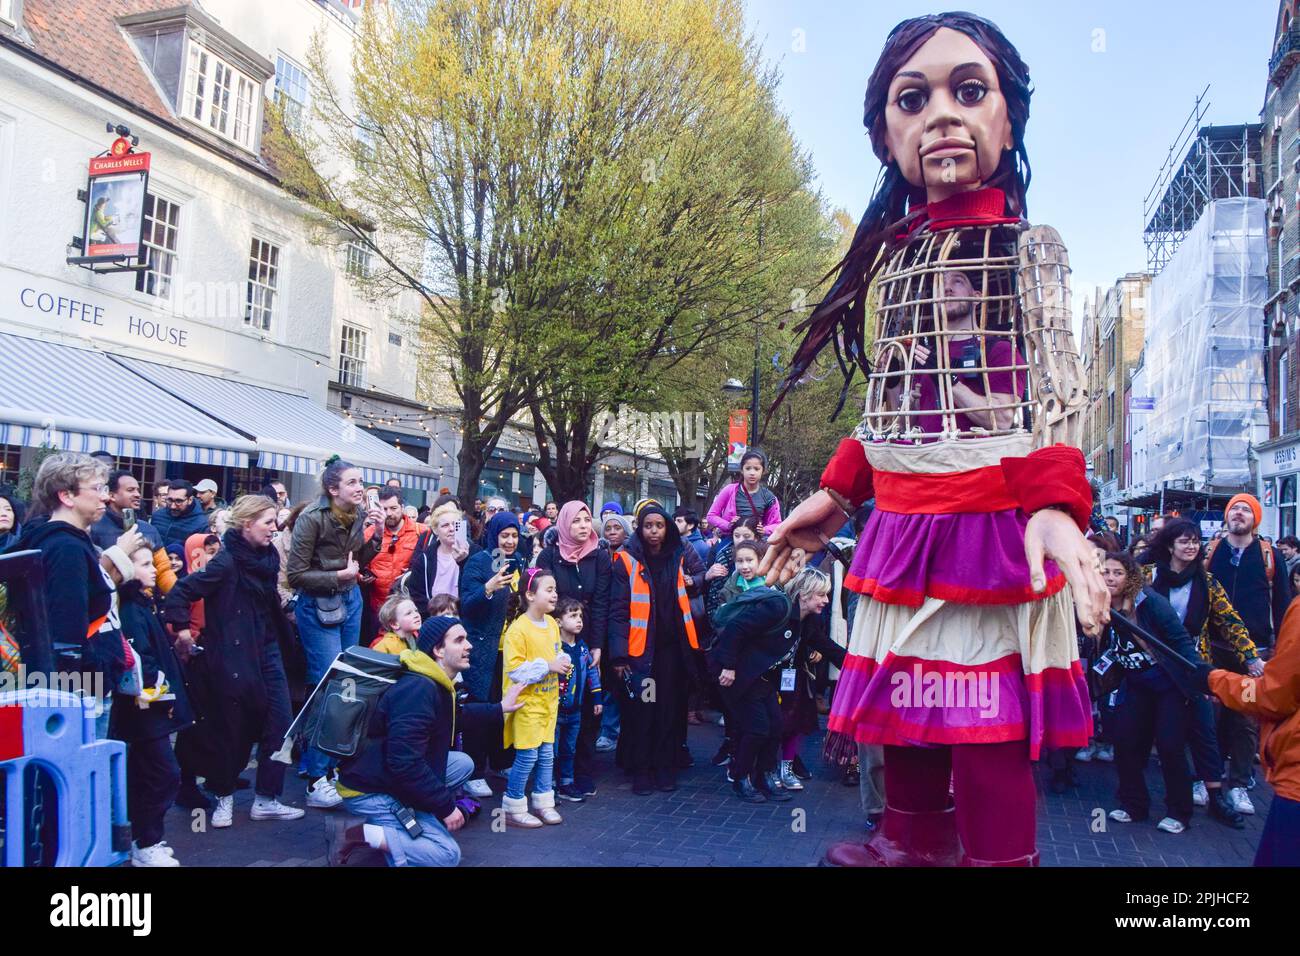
[{"x": 962, "y": 659}]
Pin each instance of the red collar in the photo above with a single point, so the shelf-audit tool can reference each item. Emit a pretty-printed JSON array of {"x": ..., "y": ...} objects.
[{"x": 976, "y": 207}]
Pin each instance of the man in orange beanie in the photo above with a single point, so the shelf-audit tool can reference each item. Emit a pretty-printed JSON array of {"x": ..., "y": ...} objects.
[{"x": 1255, "y": 579}]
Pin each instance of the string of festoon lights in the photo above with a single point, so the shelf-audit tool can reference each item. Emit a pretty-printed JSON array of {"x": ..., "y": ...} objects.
[{"x": 422, "y": 419}]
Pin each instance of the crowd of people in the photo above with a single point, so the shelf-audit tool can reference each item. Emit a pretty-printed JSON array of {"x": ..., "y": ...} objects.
[
  {"x": 533, "y": 642},
  {"x": 1217, "y": 608}
]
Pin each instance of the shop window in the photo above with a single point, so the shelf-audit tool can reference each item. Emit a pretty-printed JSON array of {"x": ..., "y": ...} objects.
[
  {"x": 9, "y": 456},
  {"x": 1283, "y": 391},
  {"x": 1286, "y": 505},
  {"x": 220, "y": 97},
  {"x": 358, "y": 260},
  {"x": 352, "y": 357},
  {"x": 290, "y": 89},
  {"x": 249, "y": 481},
  {"x": 263, "y": 283},
  {"x": 160, "y": 222}
]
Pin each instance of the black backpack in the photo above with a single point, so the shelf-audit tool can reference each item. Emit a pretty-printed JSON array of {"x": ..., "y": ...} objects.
[
  {"x": 338, "y": 714},
  {"x": 728, "y": 612}
]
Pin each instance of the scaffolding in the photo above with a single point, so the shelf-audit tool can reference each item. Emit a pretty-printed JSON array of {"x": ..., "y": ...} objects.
[
  {"x": 1220, "y": 162},
  {"x": 1204, "y": 354}
]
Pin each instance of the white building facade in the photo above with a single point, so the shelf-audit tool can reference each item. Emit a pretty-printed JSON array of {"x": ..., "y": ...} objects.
[{"x": 219, "y": 360}]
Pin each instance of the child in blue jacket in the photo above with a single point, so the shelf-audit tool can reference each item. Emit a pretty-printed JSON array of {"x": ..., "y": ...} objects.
[{"x": 583, "y": 678}]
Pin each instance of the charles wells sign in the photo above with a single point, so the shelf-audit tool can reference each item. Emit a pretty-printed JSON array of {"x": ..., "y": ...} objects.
[{"x": 115, "y": 196}]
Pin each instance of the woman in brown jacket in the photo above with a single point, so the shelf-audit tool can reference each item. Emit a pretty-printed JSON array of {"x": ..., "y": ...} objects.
[{"x": 333, "y": 542}]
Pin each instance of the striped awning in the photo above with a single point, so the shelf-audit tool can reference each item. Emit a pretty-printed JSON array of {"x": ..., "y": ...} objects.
[
  {"x": 290, "y": 431},
  {"x": 79, "y": 399}
]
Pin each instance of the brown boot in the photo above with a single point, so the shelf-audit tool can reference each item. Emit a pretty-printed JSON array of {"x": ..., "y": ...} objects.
[{"x": 922, "y": 838}]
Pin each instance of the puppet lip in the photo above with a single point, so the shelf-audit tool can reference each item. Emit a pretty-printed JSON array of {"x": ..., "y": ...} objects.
[{"x": 947, "y": 144}]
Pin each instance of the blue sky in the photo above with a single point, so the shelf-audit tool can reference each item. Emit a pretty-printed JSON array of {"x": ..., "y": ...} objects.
[{"x": 1101, "y": 123}]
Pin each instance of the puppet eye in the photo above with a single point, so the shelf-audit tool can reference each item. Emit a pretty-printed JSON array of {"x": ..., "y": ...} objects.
[
  {"x": 971, "y": 92},
  {"x": 912, "y": 101}
]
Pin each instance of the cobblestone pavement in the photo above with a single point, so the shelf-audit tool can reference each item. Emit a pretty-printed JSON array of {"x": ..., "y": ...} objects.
[{"x": 703, "y": 824}]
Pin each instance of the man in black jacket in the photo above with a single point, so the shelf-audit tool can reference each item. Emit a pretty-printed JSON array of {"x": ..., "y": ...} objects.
[
  {"x": 404, "y": 782},
  {"x": 1259, "y": 588},
  {"x": 183, "y": 515}
]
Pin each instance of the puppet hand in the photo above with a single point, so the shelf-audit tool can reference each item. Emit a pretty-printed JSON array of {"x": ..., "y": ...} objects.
[{"x": 1053, "y": 534}]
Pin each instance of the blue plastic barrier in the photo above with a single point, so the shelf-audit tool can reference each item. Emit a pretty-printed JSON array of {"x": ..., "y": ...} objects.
[{"x": 53, "y": 731}]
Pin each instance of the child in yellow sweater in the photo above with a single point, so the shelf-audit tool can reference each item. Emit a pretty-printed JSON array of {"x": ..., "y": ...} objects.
[
  {"x": 533, "y": 657},
  {"x": 401, "y": 622}
]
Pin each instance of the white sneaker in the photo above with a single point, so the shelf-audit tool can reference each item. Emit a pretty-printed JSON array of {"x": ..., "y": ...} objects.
[
  {"x": 161, "y": 844},
  {"x": 156, "y": 855},
  {"x": 1200, "y": 795},
  {"x": 224, "y": 815},
  {"x": 1240, "y": 801},
  {"x": 1120, "y": 816},
  {"x": 1085, "y": 754},
  {"x": 788, "y": 779},
  {"x": 604, "y": 745},
  {"x": 478, "y": 788},
  {"x": 323, "y": 795},
  {"x": 1106, "y": 753},
  {"x": 272, "y": 809},
  {"x": 1170, "y": 825}
]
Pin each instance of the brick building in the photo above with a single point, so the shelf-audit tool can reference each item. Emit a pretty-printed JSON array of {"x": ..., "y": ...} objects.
[
  {"x": 1280, "y": 143},
  {"x": 1114, "y": 322}
]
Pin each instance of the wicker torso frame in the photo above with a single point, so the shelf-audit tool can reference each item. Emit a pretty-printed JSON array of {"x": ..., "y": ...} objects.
[{"x": 1005, "y": 284}]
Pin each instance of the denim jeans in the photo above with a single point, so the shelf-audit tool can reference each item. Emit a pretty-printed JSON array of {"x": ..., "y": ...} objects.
[
  {"x": 543, "y": 758},
  {"x": 435, "y": 846},
  {"x": 322, "y": 644},
  {"x": 871, "y": 778},
  {"x": 1203, "y": 740},
  {"x": 609, "y": 717},
  {"x": 566, "y": 744}
]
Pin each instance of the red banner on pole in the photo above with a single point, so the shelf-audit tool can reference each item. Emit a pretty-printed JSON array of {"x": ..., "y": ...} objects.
[{"x": 737, "y": 437}]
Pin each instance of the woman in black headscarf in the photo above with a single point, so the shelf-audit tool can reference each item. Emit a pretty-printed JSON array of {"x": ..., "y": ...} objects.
[{"x": 653, "y": 654}]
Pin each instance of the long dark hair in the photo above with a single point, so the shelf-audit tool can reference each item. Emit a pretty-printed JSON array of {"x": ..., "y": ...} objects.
[
  {"x": 1160, "y": 546},
  {"x": 841, "y": 316}
]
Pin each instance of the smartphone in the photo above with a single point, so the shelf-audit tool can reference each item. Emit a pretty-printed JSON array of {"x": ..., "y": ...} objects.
[
  {"x": 373, "y": 499},
  {"x": 128, "y": 519}
]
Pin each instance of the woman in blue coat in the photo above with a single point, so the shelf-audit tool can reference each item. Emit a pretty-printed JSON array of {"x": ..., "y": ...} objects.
[{"x": 487, "y": 580}]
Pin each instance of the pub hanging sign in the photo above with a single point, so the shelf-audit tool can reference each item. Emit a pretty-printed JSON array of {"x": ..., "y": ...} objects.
[{"x": 117, "y": 186}]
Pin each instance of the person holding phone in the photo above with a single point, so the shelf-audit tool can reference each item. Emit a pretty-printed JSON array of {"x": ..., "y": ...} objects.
[
  {"x": 487, "y": 580},
  {"x": 437, "y": 563},
  {"x": 121, "y": 515}
]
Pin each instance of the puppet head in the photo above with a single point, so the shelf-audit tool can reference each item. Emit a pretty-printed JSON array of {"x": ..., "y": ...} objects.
[{"x": 946, "y": 109}]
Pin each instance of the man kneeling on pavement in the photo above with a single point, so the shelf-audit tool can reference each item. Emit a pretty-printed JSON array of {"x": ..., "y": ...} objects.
[{"x": 405, "y": 782}]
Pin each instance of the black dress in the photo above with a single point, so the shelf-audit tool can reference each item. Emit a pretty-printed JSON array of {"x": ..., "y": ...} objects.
[{"x": 654, "y": 717}]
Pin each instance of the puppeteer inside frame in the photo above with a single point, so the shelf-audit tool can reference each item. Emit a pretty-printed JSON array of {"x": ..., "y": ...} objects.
[{"x": 973, "y": 340}]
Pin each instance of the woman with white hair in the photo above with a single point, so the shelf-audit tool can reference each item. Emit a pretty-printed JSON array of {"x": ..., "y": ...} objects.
[
  {"x": 760, "y": 633},
  {"x": 435, "y": 567}
]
